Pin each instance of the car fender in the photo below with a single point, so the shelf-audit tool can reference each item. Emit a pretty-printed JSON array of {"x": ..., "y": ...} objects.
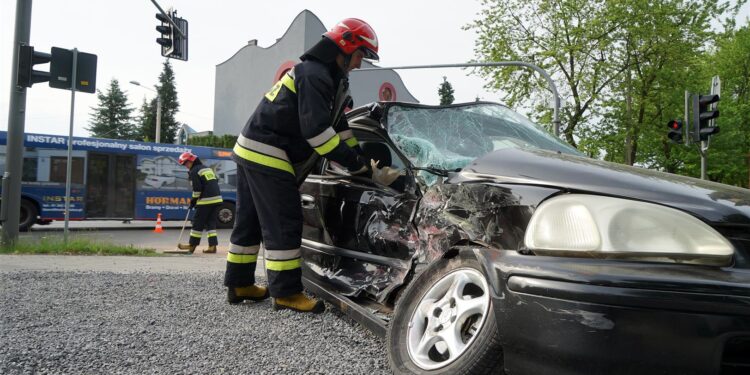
[{"x": 485, "y": 256}]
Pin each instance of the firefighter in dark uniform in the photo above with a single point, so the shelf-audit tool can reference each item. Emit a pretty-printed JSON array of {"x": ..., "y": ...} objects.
[
  {"x": 297, "y": 121},
  {"x": 206, "y": 200}
]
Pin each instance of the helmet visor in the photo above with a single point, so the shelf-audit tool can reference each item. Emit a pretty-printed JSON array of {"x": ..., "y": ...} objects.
[{"x": 370, "y": 55}]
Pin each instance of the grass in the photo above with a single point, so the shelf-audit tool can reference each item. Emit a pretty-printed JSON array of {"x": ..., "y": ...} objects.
[{"x": 74, "y": 247}]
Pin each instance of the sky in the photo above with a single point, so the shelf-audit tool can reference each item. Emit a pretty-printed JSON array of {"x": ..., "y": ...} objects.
[{"x": 122, "y": 34}]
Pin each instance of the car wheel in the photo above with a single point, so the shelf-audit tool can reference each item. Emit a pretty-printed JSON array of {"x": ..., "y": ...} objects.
[
  {"x": 444, "y": 323},
  {"x": 225, "y": 216},
  {"x": 27, "y": 216}
]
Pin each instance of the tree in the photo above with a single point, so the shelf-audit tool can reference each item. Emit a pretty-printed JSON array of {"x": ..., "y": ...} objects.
[
  {"x": 446, "y": 92},
  {"x": 112, "y": 117},
  {"x": 624, "y": 65},
  {"x": 571, "y": 39},
  {"x": 169, "y": 108},
  {"x": 728, "y": 152},
  {"x": 146, "y": 117}
]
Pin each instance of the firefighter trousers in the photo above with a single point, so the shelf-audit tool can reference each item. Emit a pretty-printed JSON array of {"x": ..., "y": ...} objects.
[
  {"x": 269, "y": 214},
  {"x": 205, "y": 220}
]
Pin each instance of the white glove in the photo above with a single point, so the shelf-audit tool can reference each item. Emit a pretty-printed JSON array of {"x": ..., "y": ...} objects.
[{"x": 384, "y": 176}]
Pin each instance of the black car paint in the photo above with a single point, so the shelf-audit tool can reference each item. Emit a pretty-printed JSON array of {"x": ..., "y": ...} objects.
[
  {"x": 726, "y": 208},
  {"x": 572, "y": 316},
  {"x": 709, "y": 201},
  {"x": 557, "y": 315}
]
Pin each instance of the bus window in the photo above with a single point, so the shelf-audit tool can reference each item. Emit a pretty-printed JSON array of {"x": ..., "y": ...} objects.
[
  {"x": 29, "y": 169},
  {"x": 58, "y": 169}
]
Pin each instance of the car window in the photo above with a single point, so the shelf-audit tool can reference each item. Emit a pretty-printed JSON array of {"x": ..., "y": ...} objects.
[
  {"x": 397, "y": 163},
  {"x": 374, "y": 147}
]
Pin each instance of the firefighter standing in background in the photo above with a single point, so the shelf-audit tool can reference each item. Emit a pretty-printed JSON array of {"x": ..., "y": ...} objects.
[
  {"x": 206, "y": 199},
  {"x": 298, "y": 120}
]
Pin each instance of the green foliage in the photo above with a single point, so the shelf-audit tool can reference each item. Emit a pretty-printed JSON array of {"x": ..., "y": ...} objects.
[
  {"x": 728, "y": 151},
  {"x": 112, "y": 117},
  {"x": 169, "y": 108},
  {"x": 571, "y": 39},
  {"x": 622, "y": 69},
  {"x": 74, "y": 247},
  {"x": 446, "y": 92},
  {"x": 225, "y": 141}
]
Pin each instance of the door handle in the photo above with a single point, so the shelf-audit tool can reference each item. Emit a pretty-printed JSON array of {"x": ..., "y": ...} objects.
[{"x": 308, "y": 201}]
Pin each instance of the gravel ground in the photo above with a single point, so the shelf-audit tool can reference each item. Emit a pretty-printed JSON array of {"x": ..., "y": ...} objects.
[{"x": 71, "y": 322}]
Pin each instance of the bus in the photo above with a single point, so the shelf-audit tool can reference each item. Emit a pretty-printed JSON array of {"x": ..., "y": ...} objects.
[{"x": 114, "y": 179}]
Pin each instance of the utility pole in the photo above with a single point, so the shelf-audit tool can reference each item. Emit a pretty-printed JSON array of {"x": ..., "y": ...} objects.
[{"x": 11, "y": 202}]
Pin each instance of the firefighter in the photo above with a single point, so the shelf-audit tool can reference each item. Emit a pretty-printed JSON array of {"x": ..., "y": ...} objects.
[
  {"x": 298, "y": 120},
  {"x": 206, "y": 200}
]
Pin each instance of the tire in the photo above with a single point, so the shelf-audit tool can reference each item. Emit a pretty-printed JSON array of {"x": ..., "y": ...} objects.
[
  {"x": 469, "y": 323},
  {"x": 28, "y": 215},
  {"x": 225, "y": 216}
]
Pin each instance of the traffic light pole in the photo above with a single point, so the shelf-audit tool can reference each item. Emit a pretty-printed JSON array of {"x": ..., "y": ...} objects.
[
  {"x": 704, "y": 159},
  {"x": 158, "y": 118},
  {"x": 687, "y": 118},
  {"x": 11, "y": 198},
  {"x": 69, "y": 166}
]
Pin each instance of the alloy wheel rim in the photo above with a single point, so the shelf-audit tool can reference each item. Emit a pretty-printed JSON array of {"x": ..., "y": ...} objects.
[{"x": 448, "y": 318}]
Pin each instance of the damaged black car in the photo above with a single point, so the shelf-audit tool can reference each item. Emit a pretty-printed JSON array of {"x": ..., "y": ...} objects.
[{"x": 502, "y": 249}]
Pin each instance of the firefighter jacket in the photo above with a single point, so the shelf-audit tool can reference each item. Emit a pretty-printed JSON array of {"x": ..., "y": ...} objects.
[
  {"x": 205, "y": 185},
  {"x": 300, "y": 118}
]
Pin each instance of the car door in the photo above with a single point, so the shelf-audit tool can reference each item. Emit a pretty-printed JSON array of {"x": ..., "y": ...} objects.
[{"x": 360, "y": 235}]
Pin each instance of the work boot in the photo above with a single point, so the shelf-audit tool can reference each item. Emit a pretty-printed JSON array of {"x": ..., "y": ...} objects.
[
  {"x": 299, "y": 302},
  {"x": 188, "y": 247},
  {"x": 211, "y": 249},
  {"x": 252, "y": 293}
]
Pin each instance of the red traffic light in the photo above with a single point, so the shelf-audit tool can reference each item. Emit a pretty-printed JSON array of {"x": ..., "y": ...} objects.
[
  {"x": 675, "y": 124},
  {"x": 675, "y": 131}
]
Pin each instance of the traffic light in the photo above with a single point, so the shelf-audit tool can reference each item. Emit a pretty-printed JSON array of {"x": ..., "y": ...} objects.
[
  {"x": 173, "y": 42},
  {"x": 675, "y": 131},
  {"x": 704, "y": 110},
  {"x": 180, "y": 42},
  {"x": 166, "y": 41},
  {"x": 27, "y": 58}
]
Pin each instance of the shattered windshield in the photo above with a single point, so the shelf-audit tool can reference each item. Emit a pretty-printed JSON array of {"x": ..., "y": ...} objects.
[{"x": 452, "y": 137}]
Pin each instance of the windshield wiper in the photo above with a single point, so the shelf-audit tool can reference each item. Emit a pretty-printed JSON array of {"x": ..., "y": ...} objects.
[{"x": 436, "y": 171}]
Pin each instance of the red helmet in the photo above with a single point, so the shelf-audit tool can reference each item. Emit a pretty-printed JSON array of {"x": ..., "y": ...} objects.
[
  {"x": 186, "y": 157},
  {"x": 352, "y": 34}
]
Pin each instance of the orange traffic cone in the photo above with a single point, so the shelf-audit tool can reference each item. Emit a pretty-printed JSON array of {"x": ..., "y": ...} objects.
[{"x": 158, "y": 228}]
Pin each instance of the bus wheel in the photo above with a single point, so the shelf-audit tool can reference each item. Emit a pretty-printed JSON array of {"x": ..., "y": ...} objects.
[
  {"x": 225, "y": 216},
  {"x": 28, "y": 215}
]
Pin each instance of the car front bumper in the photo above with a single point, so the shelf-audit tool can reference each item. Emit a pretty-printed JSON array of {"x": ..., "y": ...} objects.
[{"x": 583, "y": 316}]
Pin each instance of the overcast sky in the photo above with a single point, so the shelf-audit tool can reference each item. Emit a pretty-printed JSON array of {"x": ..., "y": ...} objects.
[{"x": 121, "y": 33}]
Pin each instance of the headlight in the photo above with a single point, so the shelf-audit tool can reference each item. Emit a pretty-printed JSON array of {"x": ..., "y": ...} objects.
[{"x": 603, "y": 227}]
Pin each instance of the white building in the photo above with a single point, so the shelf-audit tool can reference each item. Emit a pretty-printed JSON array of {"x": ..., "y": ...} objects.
[{"x": 242, "y": 80}]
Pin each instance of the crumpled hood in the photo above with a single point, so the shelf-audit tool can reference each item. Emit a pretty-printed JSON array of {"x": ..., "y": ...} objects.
[{"x": 714, "y": 202}]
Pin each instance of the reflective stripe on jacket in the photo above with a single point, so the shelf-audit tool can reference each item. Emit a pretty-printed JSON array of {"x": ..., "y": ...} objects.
[
  {"x": 294, "y": 121},
  {"x": 205, "y": 185}
]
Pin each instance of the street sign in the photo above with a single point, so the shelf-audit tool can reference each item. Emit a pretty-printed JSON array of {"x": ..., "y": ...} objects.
[{"x": 61, "y": 68}]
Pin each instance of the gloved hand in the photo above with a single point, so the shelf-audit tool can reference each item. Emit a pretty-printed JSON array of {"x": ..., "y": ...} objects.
[
  {"x": 193, "y": 201},
  {"x": 385, "y": 175}
]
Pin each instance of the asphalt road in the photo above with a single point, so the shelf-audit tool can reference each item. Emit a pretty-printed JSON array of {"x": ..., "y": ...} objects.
[{"x": 162, "y": 315}]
